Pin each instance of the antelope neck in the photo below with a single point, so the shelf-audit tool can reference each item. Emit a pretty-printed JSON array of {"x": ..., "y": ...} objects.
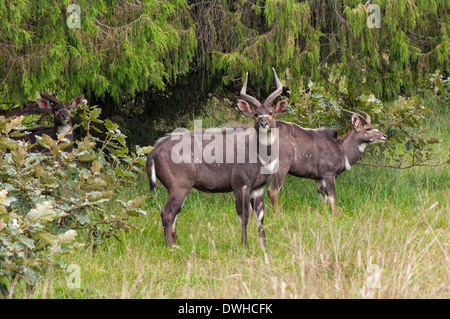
[{"x": 351, "y": 147}]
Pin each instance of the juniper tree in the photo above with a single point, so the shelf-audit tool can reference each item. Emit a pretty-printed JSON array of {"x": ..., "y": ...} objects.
[
  {"x": 332, "y": 42},
  {"x": 93, "y": 46},
  {"x": 123, "y": 47}
]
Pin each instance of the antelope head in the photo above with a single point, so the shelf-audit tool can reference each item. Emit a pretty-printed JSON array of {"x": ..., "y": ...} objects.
[
  {"x": 366, "y": 132},
  {"x": 263, "y": 113}
]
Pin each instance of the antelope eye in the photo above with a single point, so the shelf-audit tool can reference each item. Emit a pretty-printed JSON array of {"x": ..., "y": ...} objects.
[
  {"x": 270, "y": 113},
  {"x": 256, "y": 115},
  {"x": 368, "y": 128}
]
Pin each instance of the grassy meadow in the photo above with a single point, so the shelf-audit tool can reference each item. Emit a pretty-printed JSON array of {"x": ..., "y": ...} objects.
[{"x": 391, "y": 240}]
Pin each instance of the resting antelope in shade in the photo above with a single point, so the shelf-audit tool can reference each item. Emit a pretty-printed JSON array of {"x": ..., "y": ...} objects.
[
  {"x": 62, "y": 119},
  {"x": 244, "y": 178},
  {"x": 311, "y": 154}
]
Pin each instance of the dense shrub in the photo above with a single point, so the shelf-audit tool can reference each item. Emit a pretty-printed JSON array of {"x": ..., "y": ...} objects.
[
  {"x": 402, "y": 119},
  {"x": 46, "y": 199}
]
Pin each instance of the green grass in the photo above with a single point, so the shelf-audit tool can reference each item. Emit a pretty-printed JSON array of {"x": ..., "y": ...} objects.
[{"x": 392, "y": 223}]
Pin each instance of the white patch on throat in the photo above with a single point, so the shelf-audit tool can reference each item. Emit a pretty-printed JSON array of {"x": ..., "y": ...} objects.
[
  {"x": 362, "y": 147},
  {"x": 63, "y": 129},
  {"x": 271, "y": 166},
  {"x": 346, "y": 163},
  {"x": 266, "y": 138}
]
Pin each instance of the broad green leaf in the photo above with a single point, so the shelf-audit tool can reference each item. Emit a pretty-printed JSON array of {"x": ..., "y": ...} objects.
[
  {"x": 48, "y": 141},
  {"x": 8, "y": 143},
  {"x": 87, "y": 157},
  {"x": 136, "y": 202},
  {"x": 97, "y": 182},
  {"x": 67, "y": 237},
  {"x": 136, "y": 212},
  {"x": 85, "y": 144},
  {"x": 119, "y": 171},
  {"x": 142, "y": 161},
  {"x": 43, "y": 213},
  {"x": 29, "y": 242},
  {"x": 81, "y": 217},
  {"x": 13, "y": 123},
  {"x": 19, "y": 155},
  {"x": 147, "y": 149},
  {"x": 45, "y": 236},
  {"x": 110, "y": 125},
  {"x": 95, "y": 196},
  {"x": 95, "y": 167}
]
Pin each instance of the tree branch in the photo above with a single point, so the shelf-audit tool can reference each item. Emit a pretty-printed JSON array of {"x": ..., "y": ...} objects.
[
  {"x": 340, "y": 17},
  {"x": 123, "y": 26},
  {"x": 31, "y": 108},
  {"x": 425, "y": 162}
]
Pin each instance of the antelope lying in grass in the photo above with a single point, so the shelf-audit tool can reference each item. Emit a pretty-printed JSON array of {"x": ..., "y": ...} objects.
[
  {"x": 62, "y": 121},
  {"x": 238, "y": 174},
  {"x": 311, "y": 154}
]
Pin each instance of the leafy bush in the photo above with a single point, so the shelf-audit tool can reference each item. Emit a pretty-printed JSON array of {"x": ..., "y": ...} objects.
[
  {"x": 409, "y": 143},
  {"x": 47, "y": 198}
]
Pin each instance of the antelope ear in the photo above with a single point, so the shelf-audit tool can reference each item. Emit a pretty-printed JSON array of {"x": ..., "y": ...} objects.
[
  {"x": 76, "y": 101},
  {"x": 245, "y": 107},
  {"x": 358, "y": 122},
  {"x": 44, "y": 105},
  {"x": 281, "y": 107}
]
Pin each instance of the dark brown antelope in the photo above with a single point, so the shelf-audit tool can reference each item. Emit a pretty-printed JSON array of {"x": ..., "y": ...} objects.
[
  {"x": 220, "y": 160},
  {"x": 62, "y": 121},
  {"x": 311, "y": 154}
]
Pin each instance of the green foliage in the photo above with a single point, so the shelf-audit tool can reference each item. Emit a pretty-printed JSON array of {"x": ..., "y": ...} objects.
[
  {"x": 159, "y": 59},
  {"x": 128, "y": 47},
  {"x": 145, "y": 58},
  {"x": 402, "y": 120},
  {"x": 49, "y": 199},
  {"x": 145, "y": 45},
  {"x": 330, "y": 43}
]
